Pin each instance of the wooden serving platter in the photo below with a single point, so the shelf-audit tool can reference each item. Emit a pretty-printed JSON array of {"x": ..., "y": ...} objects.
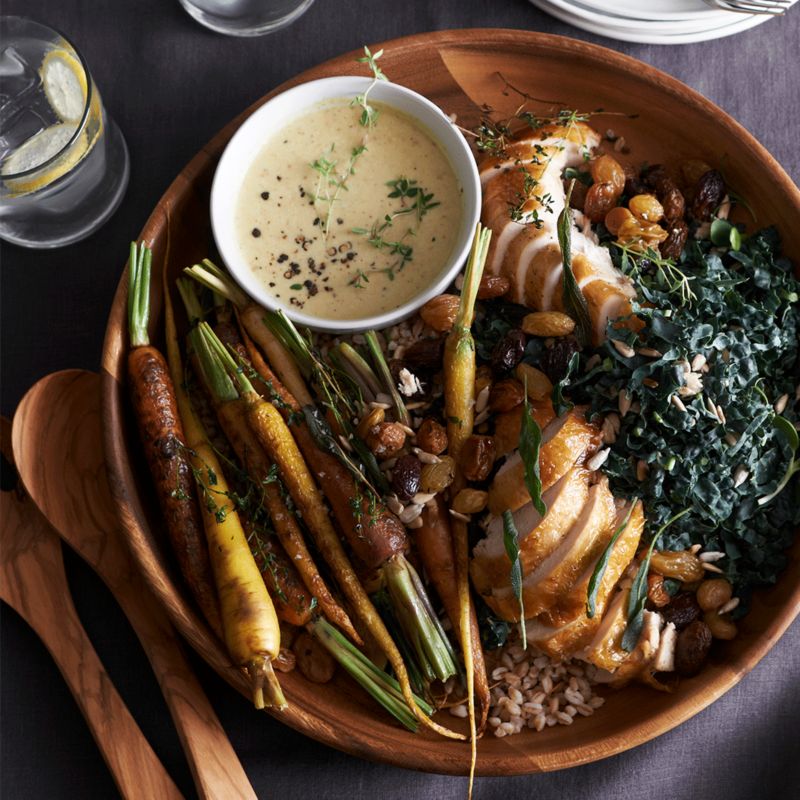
[{"x": 461, "y": 71}]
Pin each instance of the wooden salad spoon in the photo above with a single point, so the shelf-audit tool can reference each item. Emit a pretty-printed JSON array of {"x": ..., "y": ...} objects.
[
  {"x": 58, "y": 446},
  {"x": 35, "y": 585}
]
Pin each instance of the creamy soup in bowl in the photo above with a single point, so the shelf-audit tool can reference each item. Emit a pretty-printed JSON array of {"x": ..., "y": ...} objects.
[{"x": 345, "y": 223}]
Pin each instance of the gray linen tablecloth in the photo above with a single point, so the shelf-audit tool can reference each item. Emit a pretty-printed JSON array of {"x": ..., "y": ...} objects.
[{"x": 171, "y": 85}]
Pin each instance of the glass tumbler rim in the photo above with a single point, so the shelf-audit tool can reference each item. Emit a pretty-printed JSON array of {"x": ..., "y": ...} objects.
[{"x": 8, "y": 18}]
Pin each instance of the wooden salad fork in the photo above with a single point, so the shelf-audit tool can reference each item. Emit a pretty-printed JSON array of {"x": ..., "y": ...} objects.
[
  {"x": 34, "y": 584},
  {"x": 58, "y": 446}
]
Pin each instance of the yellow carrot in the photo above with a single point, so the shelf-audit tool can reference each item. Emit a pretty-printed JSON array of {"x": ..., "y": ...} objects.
[
  {"x": 250, "y": 624},
  {"x": 459, "y": 391}
]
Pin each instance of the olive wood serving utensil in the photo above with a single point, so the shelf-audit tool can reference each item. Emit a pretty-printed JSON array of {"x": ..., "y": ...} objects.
[
  {"x": 34, "y": 584},
  {"x": 58, "y": 445}
]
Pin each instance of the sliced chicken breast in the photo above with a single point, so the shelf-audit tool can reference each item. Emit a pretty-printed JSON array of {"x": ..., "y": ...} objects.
[
  {"x": 559, "y": 570},
  {"x": 565, "y": 441},
  {"x": 527, "y": 177},
  {"x": 491, "y": 568}
]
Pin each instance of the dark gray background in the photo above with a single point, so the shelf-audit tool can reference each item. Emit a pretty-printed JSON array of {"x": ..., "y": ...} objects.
[{"x": 171, "y": 85}]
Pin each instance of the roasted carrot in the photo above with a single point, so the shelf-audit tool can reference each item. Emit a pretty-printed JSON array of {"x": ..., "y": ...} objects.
[
  {"x": 372, "y": 531},
  {"x": 272, "y": 432},
  {"x": 231, "y": 412},
  {"x": 252, "y": 318},
  {"x": 249, "y": 622},
  {"x": 162, "y": 434},
  {"x": 434, "y": 545},
  {"x": 293, "y": 602},
  {"x": 459, "y": 399}
]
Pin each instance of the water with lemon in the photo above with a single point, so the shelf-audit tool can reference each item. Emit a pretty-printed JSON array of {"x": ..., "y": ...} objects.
[{"x": 63, "y": 164}]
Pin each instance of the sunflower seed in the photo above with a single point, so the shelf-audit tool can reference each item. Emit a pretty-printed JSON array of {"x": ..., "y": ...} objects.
[
  {"x": 780, "y": 404},
  {"x": 458, "y": 515},
  {"x": 649, "y": 352},
  {"x": 698, "y": 362},
  {"x": 729, "y": 606},
  {"x": 624, "y": 401},
  {"x": 678, "y": 403},
  {"x": 711, "y": 555},
  {"x": 740, "y": 475},
  {"x": 598, "y": 459},
  {"x": 711, "y": 567}
]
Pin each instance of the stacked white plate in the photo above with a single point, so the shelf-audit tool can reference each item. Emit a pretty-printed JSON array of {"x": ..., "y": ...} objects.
[{"x": 651, "y": 21}]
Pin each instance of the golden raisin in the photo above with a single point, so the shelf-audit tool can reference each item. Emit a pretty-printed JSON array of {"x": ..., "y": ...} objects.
[
  {"x": 646, "y": 207},
  {"x": 656, "y": 593},
  {"x": 600, "y": 199},
  {"x": 505, "y": 395},
  {"x": 492, "y": 286},
  {"x": 606, "y": 169},
  {"x": 548, "y": 323},
  {"x": 386, "y": 439},
  {"x": 477, "y": 457},
  {"x": 369, "y": 421},
  {"x": 536, "y": 383},
  {"x": 713, "y": 594},
  {"x": 440, "y": 312},
  {"x": 437, "y": 477},
  {"x": 616, "y": 217},
  {"x": 432, "y": 437},
  {"x": 470, "y": 501},
  {"x": 722, "y": 627},
  {"x": 678, "y": 564},
  {"x": 641, "y": 235}
]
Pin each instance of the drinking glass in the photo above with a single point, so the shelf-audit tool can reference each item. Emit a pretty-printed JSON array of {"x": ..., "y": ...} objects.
[
  {"x": 63, "y": 162},
  {"x": 246, "y": 17}
]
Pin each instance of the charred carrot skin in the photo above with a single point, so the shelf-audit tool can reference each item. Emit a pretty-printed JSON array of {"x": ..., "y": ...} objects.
[
  {"x": 155, "y": 407},
  {"x": 293, "y": 602}
]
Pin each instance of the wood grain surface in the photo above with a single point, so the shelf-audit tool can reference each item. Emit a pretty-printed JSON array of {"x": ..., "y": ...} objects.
[
  {"x": 58, "y": 449},
  {"x": 35, "y": 586},
  {"x": 461, "y": 70}
]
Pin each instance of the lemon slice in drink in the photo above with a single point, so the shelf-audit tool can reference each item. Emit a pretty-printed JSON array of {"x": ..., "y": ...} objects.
[
  {"x": 38, "y": 149},
  {"x": 64, "y": 83}
]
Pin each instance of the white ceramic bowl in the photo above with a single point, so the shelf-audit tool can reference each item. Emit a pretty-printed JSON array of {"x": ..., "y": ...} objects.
[{"x": 276, "y": 113}]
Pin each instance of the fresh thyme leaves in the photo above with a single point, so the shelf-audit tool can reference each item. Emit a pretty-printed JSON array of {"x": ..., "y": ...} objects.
[
  {"x": 638, "y": 595},
  {"x": 369, "y": 115},
  {"x": 574, "y": 301},
  {"x": 511, "y": 544},
  {"x": 403, "y": 190},
  {"x": 726, "y": 325},
  {"x": 330, "y": 182},
  {"x": 360, "y": 279},
  {"x": 530, "y": 442},
  {"x": 602, "y": 564}
]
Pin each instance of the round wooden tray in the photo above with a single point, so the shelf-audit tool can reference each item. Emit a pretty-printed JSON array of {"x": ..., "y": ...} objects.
[{"x": 460, "y": 71}]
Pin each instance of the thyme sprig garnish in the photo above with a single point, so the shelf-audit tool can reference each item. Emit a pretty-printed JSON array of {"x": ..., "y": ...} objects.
[
  {"x": 330, "y": 182},
  {"x": 422, "y": 203},
  {"x": 369, "y": 115}
]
